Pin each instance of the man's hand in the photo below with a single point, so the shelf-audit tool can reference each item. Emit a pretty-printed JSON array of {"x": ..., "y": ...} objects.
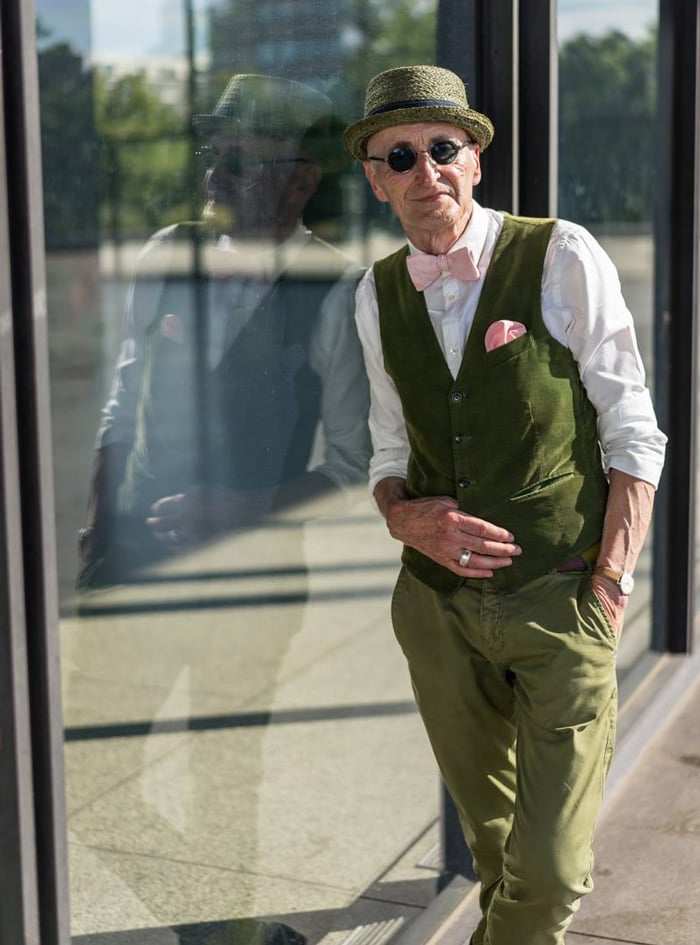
[
  {"x": 611, "y": 597},
  {"x": 627, "y": 516},
  {"x": 204, "y": 511},
  {"x": 436, "y": 528}
]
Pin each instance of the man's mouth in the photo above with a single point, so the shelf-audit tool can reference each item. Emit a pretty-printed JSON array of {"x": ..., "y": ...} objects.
[{"x": 434, "y": 195}]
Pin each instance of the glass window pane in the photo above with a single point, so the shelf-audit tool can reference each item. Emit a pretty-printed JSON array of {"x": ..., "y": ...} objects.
[
  {"x": 244, "y": 759},
  {"x": 607, "y": 102}
]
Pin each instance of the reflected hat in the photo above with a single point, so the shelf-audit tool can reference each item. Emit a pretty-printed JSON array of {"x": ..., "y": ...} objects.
[
  {"x": 267, "y": 105},
  {"x": 411, "y": 94}
]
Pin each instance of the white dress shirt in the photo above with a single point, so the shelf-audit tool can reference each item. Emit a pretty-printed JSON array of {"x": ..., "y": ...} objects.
[
  {"x": 334, "y": 350},
  {"x": 582, "y": 308}
]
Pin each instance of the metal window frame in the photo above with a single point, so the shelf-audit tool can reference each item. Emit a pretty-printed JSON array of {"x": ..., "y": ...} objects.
[
  {"x": 19, "y": 902},
  {"x": 43, "y": 902},
  {"x": 506, "y": 53},
  {"x": 675, "y": 321},
  {"x": 538, "y": 77},
  {"x": 484, "y": 53}
]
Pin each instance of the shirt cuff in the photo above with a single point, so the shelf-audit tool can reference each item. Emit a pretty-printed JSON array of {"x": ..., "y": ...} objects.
[
  {"x": 384, "y": 466},
  {"x": 631, "y": 440}
]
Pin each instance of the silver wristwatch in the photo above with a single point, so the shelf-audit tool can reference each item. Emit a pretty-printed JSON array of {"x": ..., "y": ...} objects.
[{"x": 623, "y": 579}]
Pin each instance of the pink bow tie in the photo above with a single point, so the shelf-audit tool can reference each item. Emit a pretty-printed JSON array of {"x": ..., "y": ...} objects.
[{"x": 424, "y": 268}]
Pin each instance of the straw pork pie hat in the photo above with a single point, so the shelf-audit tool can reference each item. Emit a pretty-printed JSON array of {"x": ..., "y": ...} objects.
[
  {"x": 266, "y": 104},
  {"x": 411, "y": 94}
]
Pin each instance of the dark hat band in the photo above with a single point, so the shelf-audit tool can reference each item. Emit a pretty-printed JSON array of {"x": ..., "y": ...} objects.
[{"x": 415, "y": 103}]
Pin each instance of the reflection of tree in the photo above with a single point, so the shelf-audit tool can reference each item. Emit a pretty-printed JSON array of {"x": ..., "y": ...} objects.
[
  {"x": 373, "y": 35},
  {"x": 145, "y": 148},
  {"x": 607, "y": 88},
  {"x": 69, "y": 148},
  {"x": 114, "y": 155},
  {"x": 400, "y": 33}
]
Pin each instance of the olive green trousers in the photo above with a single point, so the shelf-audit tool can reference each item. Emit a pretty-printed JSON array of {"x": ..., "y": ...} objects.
[{"x": 518, "y": 696}]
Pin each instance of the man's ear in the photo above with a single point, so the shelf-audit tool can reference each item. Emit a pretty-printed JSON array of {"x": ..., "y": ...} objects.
[
  {"x": 306, "y": 178},
  {"x": 476, "y": 154},
  {"x": 374, "y": 182}
]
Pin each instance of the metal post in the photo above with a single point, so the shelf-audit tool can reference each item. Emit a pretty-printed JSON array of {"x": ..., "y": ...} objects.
[
  {"x": 676, "y": 301},
  {"x": 19, "y": 897},
  {"x": 29, "y": 325},
  {"x": 538, "y": 86},
  {"x": 484, "y": 53}
]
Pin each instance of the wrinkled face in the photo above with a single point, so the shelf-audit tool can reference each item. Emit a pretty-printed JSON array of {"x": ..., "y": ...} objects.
[
  {"x": 431, "y": 196},
  {"x": 255, "y": 185}
]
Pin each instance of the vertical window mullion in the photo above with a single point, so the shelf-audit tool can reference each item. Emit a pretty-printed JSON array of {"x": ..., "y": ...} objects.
[
  {"x": 675, "y": 316},
  {"x": 21, "y": 137},
  {"x": 19, "y": 910},
  {"x": 537, "y": 103}
]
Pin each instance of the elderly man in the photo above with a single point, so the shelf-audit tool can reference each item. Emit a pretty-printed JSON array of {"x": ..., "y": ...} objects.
[
  {"x": 516, "y": 454},
  {"x": 239, "y": 345}
]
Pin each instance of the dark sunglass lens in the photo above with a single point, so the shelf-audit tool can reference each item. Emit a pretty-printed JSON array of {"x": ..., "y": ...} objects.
[
  {"x": 206, "y": 154},
  {"x": 401, "y": 160},
  {"x": 444, "y": 152}
]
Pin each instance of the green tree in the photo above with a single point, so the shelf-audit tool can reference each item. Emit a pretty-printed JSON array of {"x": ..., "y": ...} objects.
[
  {"x": 145, "y": 156},
  {"x": 370, "y": 36},
  {"x": 69, "y": 148},
  {"x": 393, "y": 33},
  {"x": 607, "y": 105}
]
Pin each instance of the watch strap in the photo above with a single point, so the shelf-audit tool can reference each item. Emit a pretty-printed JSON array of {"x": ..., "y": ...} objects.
[
  {"x": 624, "y": 581},
  {"x": 611, "y": 573}
]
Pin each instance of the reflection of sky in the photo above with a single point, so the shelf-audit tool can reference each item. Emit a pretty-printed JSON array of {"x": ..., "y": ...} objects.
[
  {"x": 601, "y": 16},
  {"x": 139, "y": 28}
]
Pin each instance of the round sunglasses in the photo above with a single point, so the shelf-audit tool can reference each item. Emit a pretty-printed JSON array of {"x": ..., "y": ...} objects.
[
  {"x": 233, "y": 161},
  {"x": 402, "y": 159}
]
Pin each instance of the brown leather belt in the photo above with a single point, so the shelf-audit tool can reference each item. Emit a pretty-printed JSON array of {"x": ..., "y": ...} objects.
[{"x": 581, "y": 561}]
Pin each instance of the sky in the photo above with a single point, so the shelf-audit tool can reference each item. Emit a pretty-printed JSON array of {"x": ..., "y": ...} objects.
[
  {"x": 600, "y": 16},
  {"x": 134, "y": 28}
]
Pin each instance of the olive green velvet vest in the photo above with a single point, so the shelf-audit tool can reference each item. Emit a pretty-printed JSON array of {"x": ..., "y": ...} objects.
[
  {"x": 514, "y": 437},
  {"x": 250, "y": 422}
]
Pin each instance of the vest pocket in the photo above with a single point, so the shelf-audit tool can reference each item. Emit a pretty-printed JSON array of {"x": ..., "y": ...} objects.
[
  {"x": 534, "y": 489},
  {"x": 508, "y": 351}
]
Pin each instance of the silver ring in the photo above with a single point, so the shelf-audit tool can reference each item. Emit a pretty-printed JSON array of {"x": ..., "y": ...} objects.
[{"x": 465, "y": 558}]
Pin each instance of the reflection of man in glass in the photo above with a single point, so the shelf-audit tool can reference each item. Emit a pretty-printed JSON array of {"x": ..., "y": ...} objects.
[{"x": 239, "y": 341}]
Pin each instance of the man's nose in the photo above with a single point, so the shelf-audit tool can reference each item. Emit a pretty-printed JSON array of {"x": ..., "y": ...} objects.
[{"x": 426, "y": 167}]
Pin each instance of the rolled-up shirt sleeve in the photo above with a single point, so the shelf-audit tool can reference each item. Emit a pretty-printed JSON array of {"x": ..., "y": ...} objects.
[
  {"x": 118, "y": 420},
  {"x": 583, "y": 307},
  {"x": 386, "y": 421},
  {"x": 119, "y": 412},
  {"x": 336, "y": 357}
]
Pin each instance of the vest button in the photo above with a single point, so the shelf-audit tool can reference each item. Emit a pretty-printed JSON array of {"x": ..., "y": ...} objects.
[
  {"x": 464, "y": 483},
  {"x": 458, "y": 438},
  {"x": 456, "y": 397}
]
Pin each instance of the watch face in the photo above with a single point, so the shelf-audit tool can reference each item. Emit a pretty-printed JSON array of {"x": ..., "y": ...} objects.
[{"x": 626, "y": 583}]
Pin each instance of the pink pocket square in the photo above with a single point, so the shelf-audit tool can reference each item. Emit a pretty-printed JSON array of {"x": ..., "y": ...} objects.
[
  {"x": 500, "y": 333},
  {"x": 171, "y": 327}
]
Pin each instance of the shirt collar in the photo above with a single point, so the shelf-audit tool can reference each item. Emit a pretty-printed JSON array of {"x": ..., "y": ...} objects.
[
  {"x": 257, "y": 258},
  {"x": 474, "y": 237}
]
